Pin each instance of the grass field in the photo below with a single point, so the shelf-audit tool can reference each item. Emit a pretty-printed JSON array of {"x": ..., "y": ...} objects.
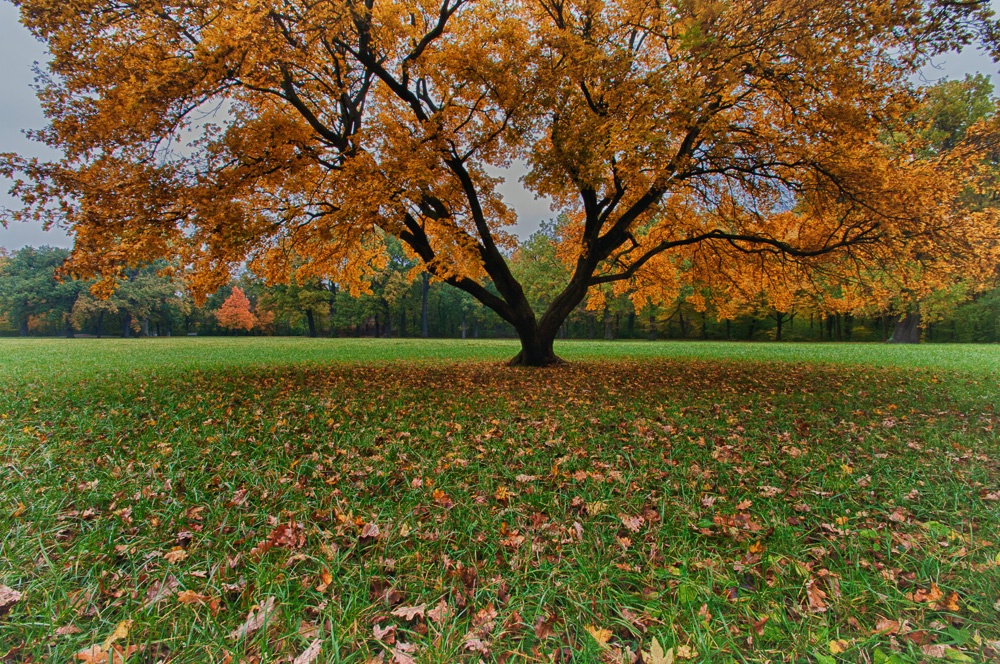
[{"x": 264, "y": 500}]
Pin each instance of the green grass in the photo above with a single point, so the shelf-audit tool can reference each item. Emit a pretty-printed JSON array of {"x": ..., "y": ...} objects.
[{"x": 696, "y": 493}]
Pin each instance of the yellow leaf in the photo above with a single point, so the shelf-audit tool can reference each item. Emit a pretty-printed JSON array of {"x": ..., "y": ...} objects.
[
  {"x": 686, "y": 652},
  {"x": 602, "y": 636},
  {"x": 838, "y": 646},
  {"x": 656, "y": 655}
]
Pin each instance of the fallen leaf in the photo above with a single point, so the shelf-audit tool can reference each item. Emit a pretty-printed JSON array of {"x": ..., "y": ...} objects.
[
  {"x": 191, "y": 597},
  {"x": 949, "y": 602},
  {"x": 410, "y": 612},
  {"x": 308, "y": 630},
  {"x": 121, "y": 631},
  {"x": 686, "y": 652},
  {"x": 370, "y": 531},
  {"x": 632, "y": 523},
  {"x": 310, "y": 654},
  {"x": 400, "y": 654},
  {"x": 95, "y": 654},
  {"x": 656, "y": 655},
  {"x": 886, "y": 626},
  {"x": 439, "y": 613},
  {"x": 8, "y": 597},
  {"x": 325, "y": 580},
  {"x": 815, "y": 597},
  {"x": 175, "y": 555},
  {"x": 68, "y": 629},
  {"x": 602, "y": 636},
  {"x": 758, "y": 626},
  {"x": 838, "y": 646},
  {"x": 255, "y": 619},
  {"x": 921, "y": 595},
  {"x": 544, "y": 626}
]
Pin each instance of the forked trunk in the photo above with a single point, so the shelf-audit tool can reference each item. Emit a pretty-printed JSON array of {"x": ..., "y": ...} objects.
[{"x": 536, "y": 350}]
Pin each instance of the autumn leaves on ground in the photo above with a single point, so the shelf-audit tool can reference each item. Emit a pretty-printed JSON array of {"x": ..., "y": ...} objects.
[{"x": 668, "y": 509}]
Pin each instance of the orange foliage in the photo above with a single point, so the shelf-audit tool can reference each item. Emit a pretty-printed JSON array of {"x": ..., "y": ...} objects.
[
  {"x": 235, "y": 314},
  {"x": 737, "y": 146}
]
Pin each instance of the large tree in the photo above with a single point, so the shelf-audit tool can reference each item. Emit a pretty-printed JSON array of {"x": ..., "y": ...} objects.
[{"x": 736, "y": 145}]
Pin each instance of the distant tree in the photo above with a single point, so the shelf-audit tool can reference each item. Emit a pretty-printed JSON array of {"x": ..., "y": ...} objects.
[
  {"x": 30, "y": 289},
  {"x": 144, "y": 297},
  {"x": 235, "y": 314}
]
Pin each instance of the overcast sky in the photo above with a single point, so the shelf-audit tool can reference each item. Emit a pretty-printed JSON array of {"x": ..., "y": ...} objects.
[{"x": 19, "y": 110}]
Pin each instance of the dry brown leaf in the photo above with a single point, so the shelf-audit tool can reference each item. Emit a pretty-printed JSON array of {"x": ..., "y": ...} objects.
[
  {"x": 387, "y": 634},
  {"x": 68, "y": 629},
  {"x": 255, "y": 619},
  {"x": 8, "y": 597},
  {"x": 400, "y": 654},
  {"x": 191, "y": 597},
  {"x": 886, "y": 626},
  {"x": 544, "y": 626},
  {"x": 310, "y": 654},
  {"x": 410, "y": 612},
  {"x": 632, "y": 523},
  {"x": 160, "y": 590},
  {"x": 95, "y": 654},
  {"x": 308, "y": 630},
  {"x": 758, "y": 626},
  {"x": 439, "y": 613},
  {"x": 175, "y": 555},
  {"x": 815, "y": 597}
]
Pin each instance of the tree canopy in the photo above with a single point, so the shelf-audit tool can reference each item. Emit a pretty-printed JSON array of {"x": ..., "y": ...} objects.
[{"x": 754, "y": 148}]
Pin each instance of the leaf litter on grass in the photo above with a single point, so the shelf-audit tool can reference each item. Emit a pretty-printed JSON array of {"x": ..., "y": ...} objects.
[{"x": 717, "y": 510}]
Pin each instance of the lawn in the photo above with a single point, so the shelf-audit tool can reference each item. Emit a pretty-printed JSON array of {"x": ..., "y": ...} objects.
[{"x": 264, "y": 500}]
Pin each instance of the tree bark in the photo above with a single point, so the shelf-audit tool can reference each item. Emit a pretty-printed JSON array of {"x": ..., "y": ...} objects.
[
  {"x": 536, "y": 350},
  {"x": 23, "y": 331},
  {"x": 311, "y": 320},
  {"x": 907, "y": 330}
]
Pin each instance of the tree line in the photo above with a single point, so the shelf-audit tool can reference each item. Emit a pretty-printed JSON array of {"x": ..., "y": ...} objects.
[{"x": 152, "y": 301}]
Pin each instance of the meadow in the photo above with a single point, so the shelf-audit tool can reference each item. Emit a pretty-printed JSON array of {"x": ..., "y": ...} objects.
[{"x": 334, "y": 500}]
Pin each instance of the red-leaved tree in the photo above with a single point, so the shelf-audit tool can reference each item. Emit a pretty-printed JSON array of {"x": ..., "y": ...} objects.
[{"x": 235, "y": 314}]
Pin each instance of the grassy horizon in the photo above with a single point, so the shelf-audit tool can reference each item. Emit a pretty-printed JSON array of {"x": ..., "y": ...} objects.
[{"x": 53, "y": 356}]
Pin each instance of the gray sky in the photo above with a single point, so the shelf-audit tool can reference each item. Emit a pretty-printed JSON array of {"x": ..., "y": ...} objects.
[{"x": 19, "y": 110}]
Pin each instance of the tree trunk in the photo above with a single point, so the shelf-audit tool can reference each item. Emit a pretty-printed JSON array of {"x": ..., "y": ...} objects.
[
  {"x": 145, "y": 327},
  {"x": 69, "y": 328},
  {"x": 332, "y": 313},
  {"x": 609, "y": 329},
  {"x": 311, "y": 320},
  {"x": 126, "y": 319},
  {"x": 536, "y": 349},
  {"x": 780, "y": 318},
  {"x": 23, "y": 331},
  {"x": 907, "y": 330},
  {"x": 425, "y": 289}
]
